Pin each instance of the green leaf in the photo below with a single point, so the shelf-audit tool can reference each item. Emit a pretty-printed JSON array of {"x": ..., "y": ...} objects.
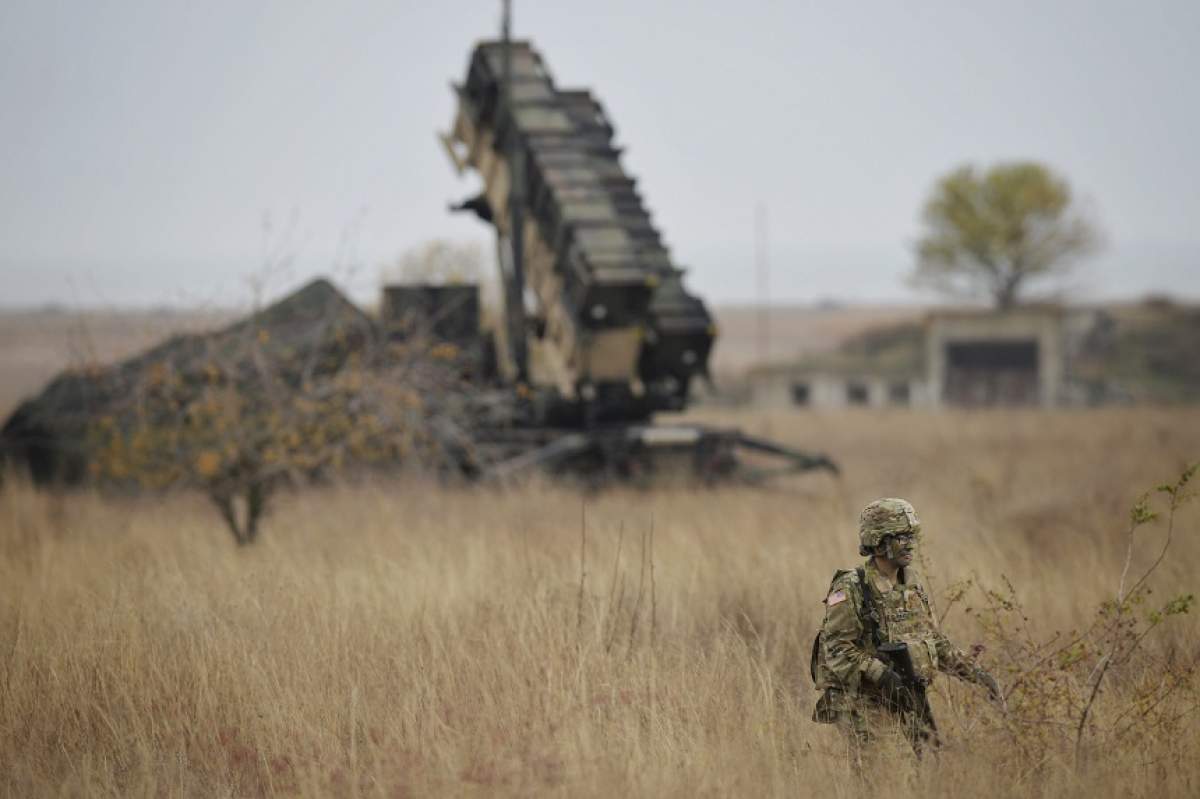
[{"x": 1141, "y": 512}]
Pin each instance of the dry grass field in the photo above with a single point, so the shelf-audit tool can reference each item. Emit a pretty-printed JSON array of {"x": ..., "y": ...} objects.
[
  {"x": 405, "y": 639},
  {"x": 794, "y": 332}
]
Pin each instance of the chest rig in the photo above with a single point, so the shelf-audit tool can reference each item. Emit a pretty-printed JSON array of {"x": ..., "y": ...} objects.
[
  {"x": 901, "y": 614},
  {"x": 898, "y": 615}
]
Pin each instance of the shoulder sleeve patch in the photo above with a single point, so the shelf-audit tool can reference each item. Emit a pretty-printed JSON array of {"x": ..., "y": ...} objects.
[{"x": 835, "y": 598}]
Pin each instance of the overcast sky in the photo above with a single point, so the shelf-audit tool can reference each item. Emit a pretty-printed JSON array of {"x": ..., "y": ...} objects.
[{"x": 158, "y": 152}]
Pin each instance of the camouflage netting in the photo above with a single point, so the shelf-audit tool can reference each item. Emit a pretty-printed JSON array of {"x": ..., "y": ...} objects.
[{"x": 311, "y": 332}]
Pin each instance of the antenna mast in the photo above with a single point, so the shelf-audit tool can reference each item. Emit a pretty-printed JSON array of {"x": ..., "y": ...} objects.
[{"x": 763, "y": 274}]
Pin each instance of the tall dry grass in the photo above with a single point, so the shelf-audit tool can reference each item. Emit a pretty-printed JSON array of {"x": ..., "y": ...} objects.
[{"x": 410, "y": 640}]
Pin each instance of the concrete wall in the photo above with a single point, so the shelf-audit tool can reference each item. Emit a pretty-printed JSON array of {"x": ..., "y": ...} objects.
[{"x": 780, "y": 389}]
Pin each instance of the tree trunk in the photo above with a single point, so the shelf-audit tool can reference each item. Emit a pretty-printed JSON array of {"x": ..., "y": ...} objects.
[
  {"x": 256, "y": 505},
  {"x": 242, "y": 526},
  {"x": 1006, "y": 293}
]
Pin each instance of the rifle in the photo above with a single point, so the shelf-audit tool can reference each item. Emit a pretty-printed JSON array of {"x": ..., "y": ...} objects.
[{"x": 912, "y": 703}]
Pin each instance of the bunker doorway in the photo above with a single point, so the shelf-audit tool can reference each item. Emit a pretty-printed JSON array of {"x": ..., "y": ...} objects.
[{"x": 984, "y": 373}]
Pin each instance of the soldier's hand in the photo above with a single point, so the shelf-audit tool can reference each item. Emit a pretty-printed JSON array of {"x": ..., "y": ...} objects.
[{"x": 993, "y": 688}]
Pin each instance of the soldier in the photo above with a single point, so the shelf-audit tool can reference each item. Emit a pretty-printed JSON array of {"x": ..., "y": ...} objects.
[{"x": 879, "y": 646}]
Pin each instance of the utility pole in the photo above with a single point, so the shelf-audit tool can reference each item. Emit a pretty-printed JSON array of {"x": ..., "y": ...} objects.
[{"x": 763, "y": 283}]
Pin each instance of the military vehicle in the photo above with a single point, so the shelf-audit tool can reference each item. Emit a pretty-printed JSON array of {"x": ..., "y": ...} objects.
[
  {"x": 596, "y": 335},
  {"x": 598, "y": 332}
]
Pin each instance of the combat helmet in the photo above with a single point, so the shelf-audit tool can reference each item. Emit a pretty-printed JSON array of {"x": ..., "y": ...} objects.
[{"x": 884, "y": 517}]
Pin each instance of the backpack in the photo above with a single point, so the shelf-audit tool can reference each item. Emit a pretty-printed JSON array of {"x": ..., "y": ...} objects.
[{"x": 871, "y": 617}]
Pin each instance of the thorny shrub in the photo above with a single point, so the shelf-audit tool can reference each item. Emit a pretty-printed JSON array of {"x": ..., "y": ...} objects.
[{"x": 1055, "y": 683}]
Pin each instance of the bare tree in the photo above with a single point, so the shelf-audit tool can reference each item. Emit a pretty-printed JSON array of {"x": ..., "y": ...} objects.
[{"x": 436, "y": 262}]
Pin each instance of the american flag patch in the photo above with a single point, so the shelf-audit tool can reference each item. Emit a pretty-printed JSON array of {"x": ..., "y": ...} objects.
[{"x": 834, "y": 598}]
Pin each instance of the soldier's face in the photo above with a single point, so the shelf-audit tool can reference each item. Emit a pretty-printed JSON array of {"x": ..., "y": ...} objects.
[{"x": 899, "y": 549}]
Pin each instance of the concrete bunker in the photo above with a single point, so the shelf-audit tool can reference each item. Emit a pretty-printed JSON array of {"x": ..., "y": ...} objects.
[{"x": 989, "y": 358}]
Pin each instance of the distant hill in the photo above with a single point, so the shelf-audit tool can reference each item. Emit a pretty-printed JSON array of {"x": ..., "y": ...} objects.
[
  {"x": 1149, "y": 352},
  {"x": 796, "y": 332}
]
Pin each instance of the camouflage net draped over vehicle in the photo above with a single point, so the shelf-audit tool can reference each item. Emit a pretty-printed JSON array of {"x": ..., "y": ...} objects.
[{"x": 294, "y": 392}]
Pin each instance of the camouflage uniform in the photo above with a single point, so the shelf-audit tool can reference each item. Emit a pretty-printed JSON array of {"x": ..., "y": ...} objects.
[{"x": 847, "y": 671}]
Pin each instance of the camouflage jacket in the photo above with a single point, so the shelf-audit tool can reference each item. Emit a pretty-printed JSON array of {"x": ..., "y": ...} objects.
[{"x": 846, "y": 652}]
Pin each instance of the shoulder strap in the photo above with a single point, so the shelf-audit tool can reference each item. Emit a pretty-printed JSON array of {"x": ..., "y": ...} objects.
[
  {"x": 814, "y": 657},
  {"x": 870, "y": 612}
]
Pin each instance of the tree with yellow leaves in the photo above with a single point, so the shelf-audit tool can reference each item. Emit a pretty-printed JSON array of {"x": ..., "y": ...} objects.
[{"x": 990, "y": 233}]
